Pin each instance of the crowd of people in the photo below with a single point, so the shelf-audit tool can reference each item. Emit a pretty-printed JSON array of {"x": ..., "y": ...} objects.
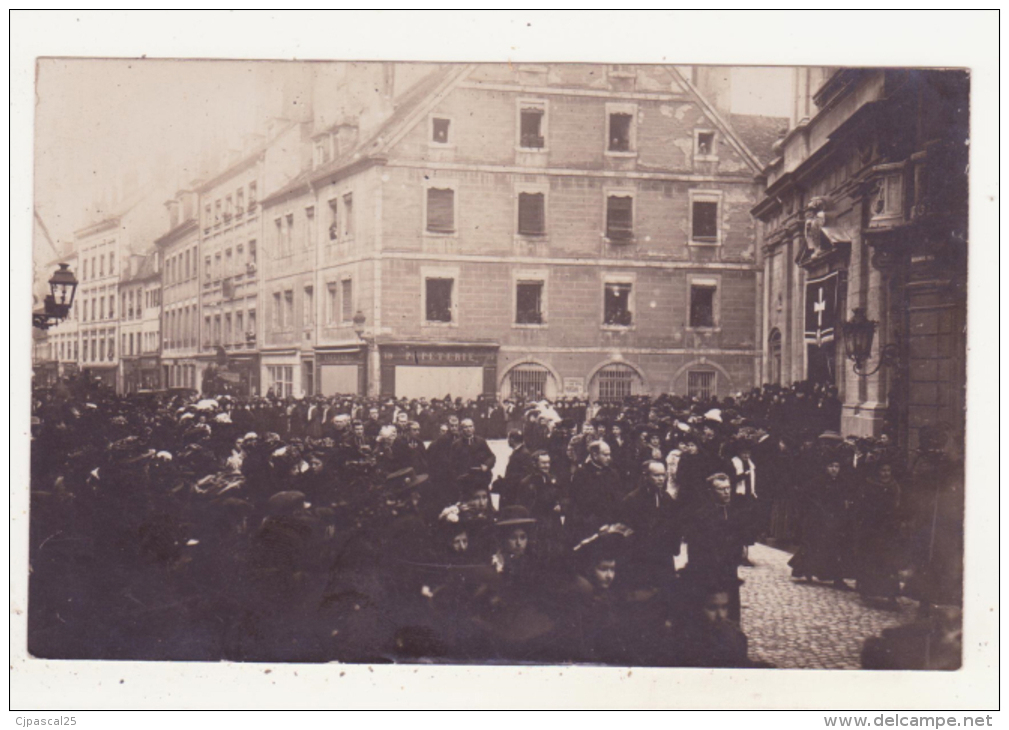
[{"x": 383, "y": 529}]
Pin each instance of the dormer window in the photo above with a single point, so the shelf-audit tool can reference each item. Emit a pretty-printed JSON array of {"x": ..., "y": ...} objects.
[{"x": 440, "y": 127}]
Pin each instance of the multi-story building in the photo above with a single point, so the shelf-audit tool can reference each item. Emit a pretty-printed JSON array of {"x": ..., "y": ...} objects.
[
  {"x": 866, "y": 208},
  {"x": 139, "y": 324},
  {"x": 177, "y": 301},
  {"x": 102, "y": 247},
  {"x": 230, "y": 230},
  {"x": 533, "y": 229}
]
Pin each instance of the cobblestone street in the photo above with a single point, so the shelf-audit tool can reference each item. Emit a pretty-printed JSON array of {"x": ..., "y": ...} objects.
[{"x": 793, "y": 624}]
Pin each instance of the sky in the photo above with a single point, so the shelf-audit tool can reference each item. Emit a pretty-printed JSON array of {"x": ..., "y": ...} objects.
[{"x": 103, "y": 127}]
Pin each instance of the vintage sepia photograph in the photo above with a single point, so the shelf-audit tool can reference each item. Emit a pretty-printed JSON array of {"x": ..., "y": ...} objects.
[
  {"x": 400, "y": 362},
  {"x": 487, "y": 365}
]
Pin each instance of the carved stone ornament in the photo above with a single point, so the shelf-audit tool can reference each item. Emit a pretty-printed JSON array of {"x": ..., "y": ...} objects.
[{"x": 816, "y": 219}]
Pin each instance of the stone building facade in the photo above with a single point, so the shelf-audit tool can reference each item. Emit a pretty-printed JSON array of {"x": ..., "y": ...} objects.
[
  {"x": 866, "y": 207},
  {"x": 543, "y": 230}
]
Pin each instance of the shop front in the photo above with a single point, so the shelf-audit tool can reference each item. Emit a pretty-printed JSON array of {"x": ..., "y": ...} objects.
[
  {"x": 141, "y": 373},
  {"x": 434, "y": 371},
  {"x": 338, "y": 371},
  {"x": 232, "y": 374},
  {"x": 45, "y": 374},
  {"x": 104, "y": 376}
]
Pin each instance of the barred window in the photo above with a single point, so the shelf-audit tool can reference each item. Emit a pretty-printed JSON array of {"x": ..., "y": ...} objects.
[
  {"x": 528, "y": 381},
  {"x": 701, "y": 384},
  {"x": 616, "y": 382},
  {"x": 440, "y": 210}
]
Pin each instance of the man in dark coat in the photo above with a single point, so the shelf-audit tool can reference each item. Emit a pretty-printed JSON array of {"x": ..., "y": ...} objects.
[
  {"x": 520, "y": 465},
  {"x": 715, "y": 537},
  {"x": 596, "y": 493},
  {"x": 409, "y": 451},
  {"x": 470, "y": 453},
  {"x": 655, "y": 517}
]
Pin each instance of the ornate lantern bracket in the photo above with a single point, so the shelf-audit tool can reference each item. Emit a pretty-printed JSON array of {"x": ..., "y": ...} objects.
[
  {"x": 859, "y": 332},
  {"x": 57, "y": 305}
]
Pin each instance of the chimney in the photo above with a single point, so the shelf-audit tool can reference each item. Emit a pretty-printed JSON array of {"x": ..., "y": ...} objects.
[
  {"x": 173, "y": 212},
  {"x": 715, "y": 85}
]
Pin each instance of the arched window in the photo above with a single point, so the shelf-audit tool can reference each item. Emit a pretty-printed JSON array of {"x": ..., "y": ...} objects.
[
  {"x": 774, "y": 356},
  {"x": 530, "y": 381},
  {"x": 615, "y": 382}
]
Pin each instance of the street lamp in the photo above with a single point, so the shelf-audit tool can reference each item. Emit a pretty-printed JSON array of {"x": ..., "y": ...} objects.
[
  {"x": 859, "y": 332},
  {"x": 63, "y": 285}
]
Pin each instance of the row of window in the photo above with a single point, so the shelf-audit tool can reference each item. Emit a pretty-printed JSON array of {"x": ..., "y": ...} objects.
[
  {"x": 612, "y": 383},
  {"x": 143, "y": 342},
  {"x": 290, "y": 234},
  {"x": 181, "y": 267},
  {"x": 440, "y": 305},
  {"x": 94, "y": 267},
  {"x": 133, "y": 304},
  {"x": 180, "y": 328},
  {"x": 99, "y": 347},
  {"x": 441, "y": 216},
  {"x": 531, "y": 218},
  {"x": 339, "y": 306},
  {"x": 229, "y": 329},
  {"x": 236, "y": 205},
  {"x": 532, "y": 127},
  {"x": 228, "y": 263},
  {"x": 93, "y": 308}
]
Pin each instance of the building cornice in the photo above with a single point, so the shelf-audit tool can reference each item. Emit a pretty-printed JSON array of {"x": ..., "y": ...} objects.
[
  {"x": 572, "y": 172},
  {"x": 570, "y": 91}
]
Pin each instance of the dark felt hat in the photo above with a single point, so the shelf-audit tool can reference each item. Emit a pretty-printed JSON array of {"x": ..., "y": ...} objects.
[{"x": 514, "y": 515}]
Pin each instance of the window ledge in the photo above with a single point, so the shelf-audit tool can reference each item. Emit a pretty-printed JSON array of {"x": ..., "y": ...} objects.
[
  {"x": 704, "y": 244},
  {"x": 441, "y": 145},
  {"x": 703, "y": 330},
  {"x": 620, "y": 241},
  {"x": 441, "y": 325},
  {"x": 532, "y": 150},
  {"x": 532, "y": 237},
  {"x": 705, "y": 158},
  {"x": 618, "y": 153},
  {"x": 439, "y": 234},
  {"x": 618, "y": 327},
  {"x": 524, "y": 326}
]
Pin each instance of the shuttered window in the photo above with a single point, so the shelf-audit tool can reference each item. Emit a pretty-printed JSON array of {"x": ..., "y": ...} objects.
[
  {"x": 619, "y": 217},
  {"x": 440, "y": 210},
  {"x": 347, "y": 299},
  {"x": 532, "y": 219}
]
